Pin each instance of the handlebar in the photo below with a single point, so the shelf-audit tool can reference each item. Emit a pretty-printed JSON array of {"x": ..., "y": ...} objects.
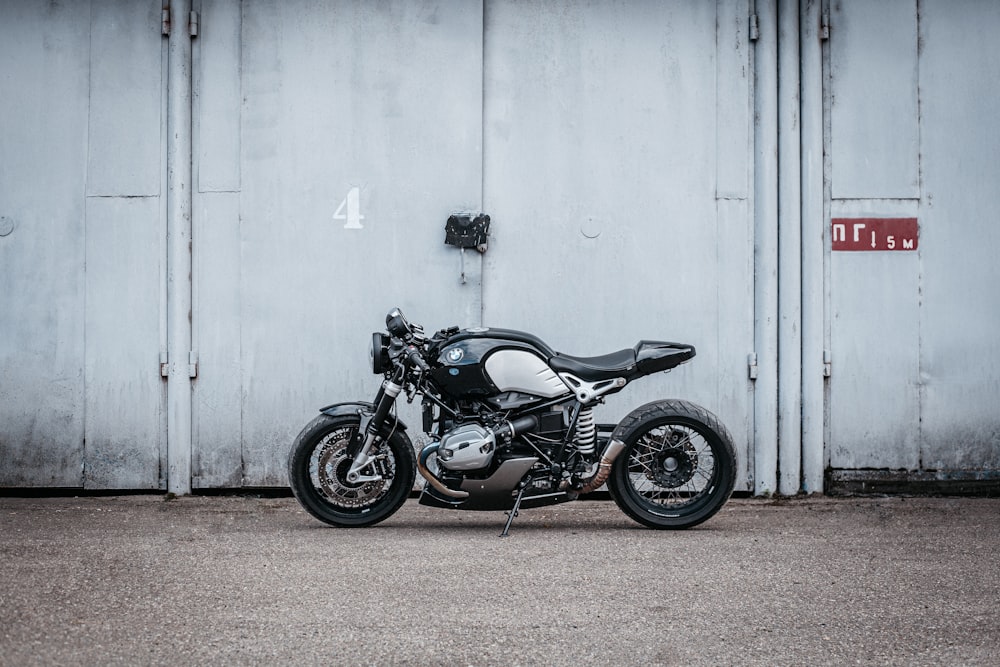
[{"x": 416, "y": 359}]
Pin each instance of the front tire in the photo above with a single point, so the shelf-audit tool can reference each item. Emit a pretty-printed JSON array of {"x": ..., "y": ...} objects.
[
  {"x": 318, "y": 464},
  {"x": 678, "y": 466}
]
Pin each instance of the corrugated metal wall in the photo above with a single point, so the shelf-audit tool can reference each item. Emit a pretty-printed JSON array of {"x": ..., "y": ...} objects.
[{"x": 615, "y": 146}]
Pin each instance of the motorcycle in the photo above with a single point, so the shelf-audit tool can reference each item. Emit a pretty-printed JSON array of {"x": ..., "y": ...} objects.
[{"x": 510, "y": 425}]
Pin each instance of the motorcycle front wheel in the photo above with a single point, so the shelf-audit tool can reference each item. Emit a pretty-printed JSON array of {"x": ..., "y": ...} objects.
[
  {"x": 317, "y": 472},
  {"x": 678, "y": 467}
]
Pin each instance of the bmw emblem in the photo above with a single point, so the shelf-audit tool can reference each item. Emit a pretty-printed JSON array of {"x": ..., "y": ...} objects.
[{"x": 455, "y": 355}]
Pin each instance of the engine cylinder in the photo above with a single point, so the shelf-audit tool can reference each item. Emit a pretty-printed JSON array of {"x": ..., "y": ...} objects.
[{"x": 468, "y": 447}]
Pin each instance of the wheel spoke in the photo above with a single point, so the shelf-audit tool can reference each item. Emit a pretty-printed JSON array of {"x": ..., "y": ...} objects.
[{"x": 671, "y": 465}]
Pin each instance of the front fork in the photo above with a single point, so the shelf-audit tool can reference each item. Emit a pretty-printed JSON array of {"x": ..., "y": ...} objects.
[{"x": 359, "y": 449}]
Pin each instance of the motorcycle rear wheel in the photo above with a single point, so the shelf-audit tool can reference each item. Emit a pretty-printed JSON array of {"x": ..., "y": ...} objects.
[
  {"x": 318, "y": 465},
  {"x": 678, "y": 467}
]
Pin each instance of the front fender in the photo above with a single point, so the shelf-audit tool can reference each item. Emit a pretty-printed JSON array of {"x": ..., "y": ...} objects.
[{"x": 354, "y": 407}]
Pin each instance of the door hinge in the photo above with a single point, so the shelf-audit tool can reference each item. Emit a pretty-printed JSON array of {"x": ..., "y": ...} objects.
[
  {"x": 824, "y": 26},
  {"x": 754, "y": 28},
  {"x": 192, "y": 365},
  {"x": 192, "y": 23},
  {"x": 752, "y": 365},
  {"x": 827, "y": 363}
]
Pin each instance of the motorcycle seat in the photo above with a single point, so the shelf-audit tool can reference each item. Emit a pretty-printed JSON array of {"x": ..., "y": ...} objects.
[
  {"x": 604, "y": 367},
  {"x": 648, "y": 356}
]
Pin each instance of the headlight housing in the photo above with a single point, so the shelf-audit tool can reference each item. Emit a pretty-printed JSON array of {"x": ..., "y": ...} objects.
[{"x": 379, "y": 353}]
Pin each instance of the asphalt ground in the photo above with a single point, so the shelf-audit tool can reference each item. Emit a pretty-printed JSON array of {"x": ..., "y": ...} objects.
[{"x": 141, "y": 580}]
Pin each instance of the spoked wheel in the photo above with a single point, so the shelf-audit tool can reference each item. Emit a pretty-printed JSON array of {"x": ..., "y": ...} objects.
[
  {"x": 678, "y": 466},
  {"x": 318, "y": 468}
]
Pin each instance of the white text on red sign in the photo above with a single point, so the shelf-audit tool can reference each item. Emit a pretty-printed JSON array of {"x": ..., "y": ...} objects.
[{"x": 875, "y": 234}]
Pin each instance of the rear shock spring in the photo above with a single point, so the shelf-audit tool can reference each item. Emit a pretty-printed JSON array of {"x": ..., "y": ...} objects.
[{"x": 586, "y": 431}]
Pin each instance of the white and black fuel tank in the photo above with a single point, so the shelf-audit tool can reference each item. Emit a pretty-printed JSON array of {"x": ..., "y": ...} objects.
[{"x": 479, "y": 363}]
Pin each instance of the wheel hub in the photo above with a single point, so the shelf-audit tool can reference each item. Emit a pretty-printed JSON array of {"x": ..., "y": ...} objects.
[
  {"x": 674, "y": 465},
  {"x": 332, "y": 469},
  {"x": 341, "y": 469}
]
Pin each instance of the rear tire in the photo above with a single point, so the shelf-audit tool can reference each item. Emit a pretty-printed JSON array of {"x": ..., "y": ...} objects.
[
  {"x": 317, "y": 466},
  {"x": 678, "y": 466}
]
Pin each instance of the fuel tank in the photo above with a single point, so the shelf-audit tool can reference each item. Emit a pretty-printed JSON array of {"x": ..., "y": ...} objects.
[{"x": 479, "y": 363}]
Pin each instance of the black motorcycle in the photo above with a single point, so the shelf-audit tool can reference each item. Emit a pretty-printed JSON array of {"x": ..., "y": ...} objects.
[{"x": 511, "y": 424}]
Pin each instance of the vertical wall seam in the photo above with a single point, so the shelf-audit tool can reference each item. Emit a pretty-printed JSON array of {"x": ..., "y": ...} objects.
[
  {"x": 812, "y": 236},
  {"x": 826, "y": 161},
  {"x": 754, "y": 47},
  {"x": 766, "y": 249},
  {"x": 789, "y": 251},
  {"x": 921, "y": 385},
  {"x": 195, "y": 187},
  {"x": 715, "y": 153},
  {"x": 179, "y": 202},
  {"x": 86, "y": 222},
  {"x": 239, "y": 215},
  {"x": 482, "y": 160},
  {"x": 164, "y": 345}
]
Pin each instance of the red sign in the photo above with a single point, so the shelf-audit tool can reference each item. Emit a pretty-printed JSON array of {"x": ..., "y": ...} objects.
[{"x": 875, "y": 234}]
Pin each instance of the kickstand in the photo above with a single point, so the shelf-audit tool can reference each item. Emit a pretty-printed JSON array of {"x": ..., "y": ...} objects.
[{"x": 513, "y": 512}]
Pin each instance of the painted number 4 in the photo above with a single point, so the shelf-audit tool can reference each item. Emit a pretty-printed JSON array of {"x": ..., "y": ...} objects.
[{"x": 350, "y": 210}]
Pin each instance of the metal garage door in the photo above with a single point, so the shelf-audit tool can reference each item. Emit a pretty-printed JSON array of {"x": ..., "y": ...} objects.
[
  {"x": 81, "y": 244},
  {"x": 617, "y": 168},
  {"x": 913, "y": 327},
  {"x": 610, "y": 144},
  {"x": 334, "y": 141}
]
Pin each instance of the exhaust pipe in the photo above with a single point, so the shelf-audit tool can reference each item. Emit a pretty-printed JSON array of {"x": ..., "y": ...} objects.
[
  {"x": 608, "y": 457},
  {"x": 431, "y": 478}
]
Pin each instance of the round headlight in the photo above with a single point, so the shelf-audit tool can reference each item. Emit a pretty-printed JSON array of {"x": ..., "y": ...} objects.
[{"x": 379, "y": 353}]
